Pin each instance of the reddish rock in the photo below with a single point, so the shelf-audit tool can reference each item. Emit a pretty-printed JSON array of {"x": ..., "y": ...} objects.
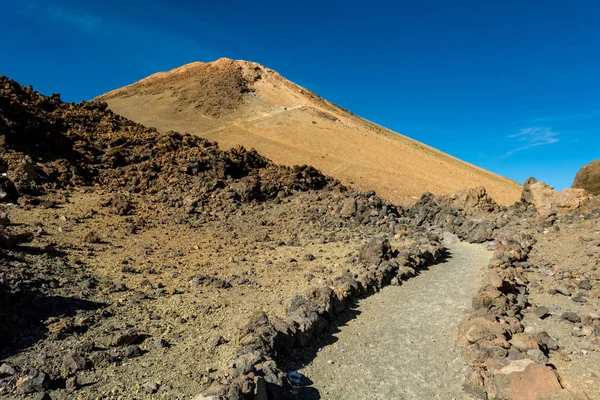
[
  {"x": 525, "y": 342},
  {"x": 547, "y": 201},
  {"x": 474, "y": 330},
  {"x": 524, "y": 380}
]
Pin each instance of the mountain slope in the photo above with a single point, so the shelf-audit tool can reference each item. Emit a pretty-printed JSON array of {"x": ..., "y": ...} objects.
[{"x": 240, "y": 102}]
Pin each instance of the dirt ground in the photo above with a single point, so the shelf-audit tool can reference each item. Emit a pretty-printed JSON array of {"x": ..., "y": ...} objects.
[
  {"x": 193, "y": 288},
  {"x": 570, "y": 258}
]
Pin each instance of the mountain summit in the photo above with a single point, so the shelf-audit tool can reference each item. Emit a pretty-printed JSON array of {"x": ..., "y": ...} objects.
[{"x": 244, "y": 103}]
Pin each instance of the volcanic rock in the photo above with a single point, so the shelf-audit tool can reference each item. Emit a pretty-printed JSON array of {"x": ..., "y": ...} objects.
[{"x": 588, "y": 178}]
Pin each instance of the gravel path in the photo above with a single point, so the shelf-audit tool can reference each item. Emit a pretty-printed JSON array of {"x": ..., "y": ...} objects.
[{"x": 402, "y": 344}]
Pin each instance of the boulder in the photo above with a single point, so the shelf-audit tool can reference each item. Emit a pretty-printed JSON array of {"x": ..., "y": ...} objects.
[
  {"x": 375, "y": 251},
  {"x": 570, "y": 199},
  {"x": 525, "y": 342},
  {"x": 548, "y": 202},
  {"x": 493, "y": 280},
  {"x": 473, "y": 201},
  {"x": 72, "y": 363},
  {"x": 524, "y": 380},
  {"x": 8, "y": 191},
  {"x": 25, "y": 176},
  {"x": 526, "y": 196},
  {"x": 35, "y": 381},
  {"x": 348, "y": 208},
  {"x": 476, "y": 329},
  {"x": 588, "y": 178},
  {"x": 591, "y": 205},
  {"x": 542, "y": 196}
]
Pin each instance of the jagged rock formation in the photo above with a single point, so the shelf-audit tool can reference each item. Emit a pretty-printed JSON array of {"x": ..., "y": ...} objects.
[{"x": 548, "y": 202}]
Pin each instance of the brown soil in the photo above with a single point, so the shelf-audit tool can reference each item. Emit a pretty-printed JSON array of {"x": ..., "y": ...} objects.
[
  {"x": 186, "y": 285},
  {"x": 568, "y": 256},
  {"x": 244, "y": 103}
]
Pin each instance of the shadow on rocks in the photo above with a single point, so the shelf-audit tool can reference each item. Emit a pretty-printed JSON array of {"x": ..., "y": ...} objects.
[
  {"x": 22, "y": 316},
  {"x": 301, "y": 357}
]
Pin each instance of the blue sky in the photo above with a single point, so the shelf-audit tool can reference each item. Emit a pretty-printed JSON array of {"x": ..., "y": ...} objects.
[{"x": 511, "y": 86}]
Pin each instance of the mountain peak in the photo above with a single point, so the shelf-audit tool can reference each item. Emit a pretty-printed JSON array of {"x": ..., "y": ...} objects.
[{"x": 237, "y": 102}]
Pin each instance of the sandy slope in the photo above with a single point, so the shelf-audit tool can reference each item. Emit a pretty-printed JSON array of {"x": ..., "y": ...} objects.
[{"x": 239, "y": 102}]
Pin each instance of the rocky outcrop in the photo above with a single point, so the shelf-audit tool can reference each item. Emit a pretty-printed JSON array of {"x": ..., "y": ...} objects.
[
  {"x": 588, "y": 178},
  {"x": 52, "y": 144},
  {"x": 526, "y": 197},
  {"x": 471, "y": 201},
  {"x": 548, "y": 202},
  {"x": 434, "y": 213}
]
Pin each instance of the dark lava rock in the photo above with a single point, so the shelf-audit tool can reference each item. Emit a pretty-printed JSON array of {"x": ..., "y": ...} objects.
[
  {"x": 128, "y": 338},
  {"x": 571, "y": 317},
  {"x": 375, "y": 251},
  {"x": 216, "y": 341},
  {"x": 36, "y": 381},
  {"x": 309, "y": 257},
  {"x": 121, "y": 205},
  {"x": 132, "y": 351},
  {"x": 91, "y": 237},
  {"x": 585, "y": 285},
  {"x": 8, "y": 191},
  {"x": 526, "y": 193},
  {"x": 72, "y": 363},
  {"x": 160, "y": 343},
  {"x": 541, "y": 312},
  {"x": 4, "y": 220},
  {"x": 348, "y": 208},
  {"x": 547, "y": 341},
  {"x": 580, "y": 298},
  {"x": 563, "y": 290}
]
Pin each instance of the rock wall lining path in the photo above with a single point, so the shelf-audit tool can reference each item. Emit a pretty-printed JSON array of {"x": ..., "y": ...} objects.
[
  {"x": 402, "y": 345},
  {"x": 255, "y": 373}
]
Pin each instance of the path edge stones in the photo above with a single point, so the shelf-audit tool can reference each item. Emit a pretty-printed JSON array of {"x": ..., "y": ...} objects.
[
  {"x": 506, "y": 360},
  {"x": 254, "y": 372}
]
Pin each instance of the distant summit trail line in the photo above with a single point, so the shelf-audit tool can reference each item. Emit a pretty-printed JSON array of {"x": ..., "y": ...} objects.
[
  {"x": 259, "y": 118},
  {"x": 402, "y": 345},
  {"x": 245, "y": 103}
]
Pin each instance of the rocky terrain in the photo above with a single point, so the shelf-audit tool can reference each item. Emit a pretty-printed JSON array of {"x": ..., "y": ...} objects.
[
  {"x": 244, "y": 103},
  {"x": 143, "y": 264}
]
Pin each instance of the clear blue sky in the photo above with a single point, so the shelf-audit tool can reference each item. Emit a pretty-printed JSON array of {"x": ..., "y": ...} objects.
[{"x": 511, "y": 86}]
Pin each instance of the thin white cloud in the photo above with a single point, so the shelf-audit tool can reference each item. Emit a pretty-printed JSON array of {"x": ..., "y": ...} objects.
[
  {"x": 79, "y": 19},
  {"x": 533, "y": 137}
]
